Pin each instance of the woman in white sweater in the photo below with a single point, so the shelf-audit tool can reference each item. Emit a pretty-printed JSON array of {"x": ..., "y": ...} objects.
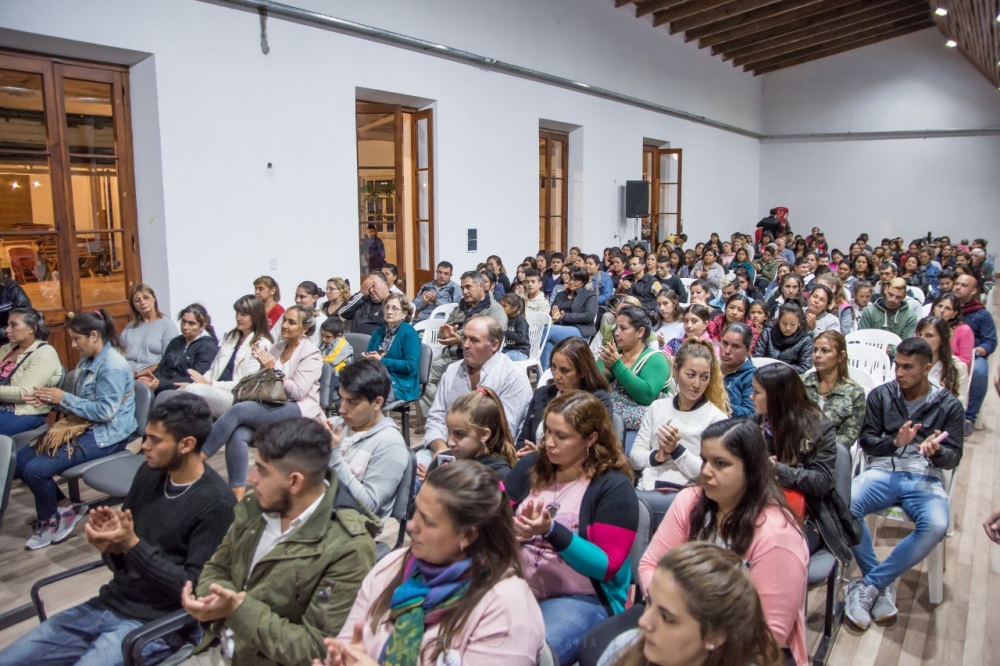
[
  {"x": 234, "y": 360},
  {"x": 667, "y": 450},
  {"x": 819, "y": 318}
]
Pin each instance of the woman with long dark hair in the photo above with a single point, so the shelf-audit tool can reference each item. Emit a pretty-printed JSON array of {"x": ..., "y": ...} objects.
[
  {"x": 576, "y": 516},
  {"x": 457, "y": 594},
  {"x": 831, "y": 387},
  {"x": 703, "y": 610},
  {"x": 947, "y": 371},
  {"x": 803, "y": 447},
  {"x": 738, "y": 503},
  {"x": 100, "y": 417},
  {"x": 194, "y": 349},
  {"x": 26, "y": 361},
  {"x": 947, "y": 307}
]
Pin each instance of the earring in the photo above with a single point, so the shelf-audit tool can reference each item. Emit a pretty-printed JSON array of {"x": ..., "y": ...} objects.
[{"x": 711, "y": 647}]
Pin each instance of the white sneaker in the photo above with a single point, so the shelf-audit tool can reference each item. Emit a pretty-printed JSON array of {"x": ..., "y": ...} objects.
[
  {"x": 43, "y": 534},
  {"x": 68, "y": 519},
  {"x": 858, "y": 601}
]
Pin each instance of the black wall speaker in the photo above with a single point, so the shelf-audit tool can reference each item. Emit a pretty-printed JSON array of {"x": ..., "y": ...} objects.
[{"x": 637, "y": 198}]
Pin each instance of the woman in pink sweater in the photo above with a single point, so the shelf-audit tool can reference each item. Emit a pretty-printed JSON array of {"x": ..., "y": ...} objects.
[
  {"x": 739, "y": 506},
  {"x": 456, "y": 595},
  {"x": 947, "y": 307}
]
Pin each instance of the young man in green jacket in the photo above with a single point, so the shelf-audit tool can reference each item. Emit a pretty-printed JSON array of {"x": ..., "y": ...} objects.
[
  {"x": 891, "y": 312},
  {"x": 288, "y": 570}
]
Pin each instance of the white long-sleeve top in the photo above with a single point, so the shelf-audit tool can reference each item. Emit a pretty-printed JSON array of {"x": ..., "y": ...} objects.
[{"x": 684, "y": 465}]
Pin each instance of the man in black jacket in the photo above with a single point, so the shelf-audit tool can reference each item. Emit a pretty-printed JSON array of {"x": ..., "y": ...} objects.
[
  {"x": 912, "y": 432},
  {"x": 666, "y": 279},
  {"x": 365, "y": 307},
  {"x": 175, "y": 515}
]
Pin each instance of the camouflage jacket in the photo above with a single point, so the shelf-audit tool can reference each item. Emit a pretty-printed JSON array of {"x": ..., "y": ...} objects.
[{"x": 844, "y": 406}]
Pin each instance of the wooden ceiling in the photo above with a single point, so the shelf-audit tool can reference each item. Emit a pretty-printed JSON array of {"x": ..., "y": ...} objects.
[
  {"x": 975, "y": 25},
  {"x": 766, "y": 35}
]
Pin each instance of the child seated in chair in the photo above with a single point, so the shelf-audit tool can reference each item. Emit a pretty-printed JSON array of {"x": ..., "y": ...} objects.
[
  {"x": 517, "y": 340},
  {"x": 334, "y": 348}
]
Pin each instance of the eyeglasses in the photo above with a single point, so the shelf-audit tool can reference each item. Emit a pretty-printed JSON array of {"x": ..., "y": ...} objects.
[{"x": 392, "y": 308}]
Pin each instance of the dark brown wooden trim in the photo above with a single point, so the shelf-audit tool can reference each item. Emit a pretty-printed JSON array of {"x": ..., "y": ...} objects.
[
  {"x": 716, "y": 14},
  {"x": 644, "y": 7},
  {"x": 771, "y": 12},
  {"x": 421, "y": 276}
]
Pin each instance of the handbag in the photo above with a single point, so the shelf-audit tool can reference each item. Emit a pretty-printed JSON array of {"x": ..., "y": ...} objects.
[
  {"x": 624, "y": 405},
  {"x": 267, "y": 385}
]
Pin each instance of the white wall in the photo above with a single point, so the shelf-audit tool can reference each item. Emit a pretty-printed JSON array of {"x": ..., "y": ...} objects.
[
  {"x": 223, "y": 111},
  {"x": 890, "y": 187}
]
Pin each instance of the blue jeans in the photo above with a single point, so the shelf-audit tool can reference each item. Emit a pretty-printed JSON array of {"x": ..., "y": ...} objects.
[
  {"x": 978, "y": 388},
  {"x": 924, "y": 500},
  {"x": 556, "y": 335},
  {"x": 11, "y": 424},
  {"x": 79, "y": 636},
  {"x": 567, "y": 621},
  {"x": 235, "y": 429},
  {"x": 38, "y": 471},
  {"x": 515, "y": 355}
]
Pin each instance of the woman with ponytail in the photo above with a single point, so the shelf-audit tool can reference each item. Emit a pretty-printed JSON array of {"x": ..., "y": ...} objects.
[
  {"x": 478, "y": 430},
  {"x": 456, "y": 594},
  {"x": 703, "y": 610},
  {"x": 194, "y": 349},
  {"x": 100, "y": 416}
]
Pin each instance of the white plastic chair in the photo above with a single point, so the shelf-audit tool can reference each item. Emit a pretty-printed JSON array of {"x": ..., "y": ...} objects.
[
  {"x": 431, "y": 327},
  {"x": 761, "y": 361},
  {"x": 538, "y": 333},
  {"x": 874, "y": 337},
  {"x": 925, "y": 311},
  {"x": 686, "y": 282},
  {"x": 863, "y": 378},
  {"x": 442, "y": 311},
  {"x": 872, "y": 360},
  {"x": 545, "y": 378},
  {"x": 917, "y": 293}
]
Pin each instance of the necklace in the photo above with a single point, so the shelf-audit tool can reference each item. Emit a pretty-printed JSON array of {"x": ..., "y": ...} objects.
[
  {"x": 187, "y": 487},
  {"x": 553, "y": 508}
]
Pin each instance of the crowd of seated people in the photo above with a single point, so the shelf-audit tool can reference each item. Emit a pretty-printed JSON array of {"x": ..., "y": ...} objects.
[{"x": 526, "y": 503}]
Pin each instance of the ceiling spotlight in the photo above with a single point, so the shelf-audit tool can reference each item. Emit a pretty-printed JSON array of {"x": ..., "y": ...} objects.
[
  {"x": 951, "y": 43},
  {"x": 941, "y": 11},
  {"x": 14, "y": 185},
  {"x": 36, "y": 184}
]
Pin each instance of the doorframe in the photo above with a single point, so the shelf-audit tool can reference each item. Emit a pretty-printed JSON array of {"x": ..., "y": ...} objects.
[
  {"x": 545, "y": 241},
  {"x": 399, "y": 222}
]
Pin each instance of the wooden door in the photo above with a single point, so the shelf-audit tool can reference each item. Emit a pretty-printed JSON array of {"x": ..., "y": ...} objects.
[
  {"x": 380, "y": 179},
  {"x": 422, "y": 234},
  {"x": 68, "y": 231},
  {"x": 553, "y": 170}
]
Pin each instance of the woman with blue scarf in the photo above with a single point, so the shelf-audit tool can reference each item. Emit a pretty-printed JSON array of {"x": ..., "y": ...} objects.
[{"x": 456, "y": 595}]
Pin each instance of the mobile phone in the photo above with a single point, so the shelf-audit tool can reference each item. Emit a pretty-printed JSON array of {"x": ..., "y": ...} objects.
[
  {"x": 444, "y": 459},
  {"x": 940, "y": 438}
]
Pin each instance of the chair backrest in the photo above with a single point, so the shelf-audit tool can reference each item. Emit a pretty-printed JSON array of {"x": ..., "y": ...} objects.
[
  {"x": 358, "y": 342},
  {"x": 874, "y": 337},
  {"x": 68, "y": 382},
  {"x": 925, "y": 311},
  {"x": 404, "y": 492},
  {"x": 426, "y": 359},
  {"x": 431, "y": 328},
  {"x": 687, "y": 282},
  {"x": 917, "y": 293},
  {"x": 143, "y": 400},
  {"x": 842, "y": 474},
  {"x": 6, "y": 471},
  {"x": 325, "y": 377},
  {"x": 870, "y": 359},
  {"x": 642, "y": 537},
  {"x": 442, "y": 311},
  {"x": 863, "y": 378},
  {"x": 761, "y": 361},
  {"x": 619, "y": 426},
  {"x": 538, "y": 332},
  {"x": 545, "y": 378}
]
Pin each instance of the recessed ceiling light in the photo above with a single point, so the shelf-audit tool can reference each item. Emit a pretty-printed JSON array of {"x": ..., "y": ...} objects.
[
  {"x": 941, "y": 11},
  {"x": 951, "y": 43}
]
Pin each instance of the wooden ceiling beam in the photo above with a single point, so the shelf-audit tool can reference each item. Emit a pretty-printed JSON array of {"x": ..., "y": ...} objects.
[
  {"x": 622, "y": 3},
  {"x": 817, "y": 52},
  {"x": 974, "y": 26},
  {"x": 751, "y": 61},
  {"x": 643, "y": 7},
  {"x": 825, "y": 33},
  {"x": 683, "y": 10},
  {"x": 728, "y": 10},
  {"x": 853, "y": 8},
  {"x": 773, "y": 13}
]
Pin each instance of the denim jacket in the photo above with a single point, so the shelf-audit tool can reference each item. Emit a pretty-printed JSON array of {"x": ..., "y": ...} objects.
[{"x": 105, "y": 396}]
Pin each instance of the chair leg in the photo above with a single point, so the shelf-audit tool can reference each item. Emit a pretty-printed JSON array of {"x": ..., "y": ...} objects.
[
  {"x": 935, "y": 573},
  {"x": 832, "y": 620},
  {"x": 74, "y": 490},
  {"x": 405, "y": 417}
]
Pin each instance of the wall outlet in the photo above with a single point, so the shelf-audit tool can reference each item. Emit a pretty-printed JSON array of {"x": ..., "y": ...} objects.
[{"x": 272, "y": 263}]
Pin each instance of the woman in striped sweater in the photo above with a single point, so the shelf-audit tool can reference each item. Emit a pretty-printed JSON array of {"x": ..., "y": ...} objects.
[{"x": 576, "y": 516}]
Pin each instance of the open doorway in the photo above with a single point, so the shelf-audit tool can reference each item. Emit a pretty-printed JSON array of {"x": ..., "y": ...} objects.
[{"x": 395, "y": 191}]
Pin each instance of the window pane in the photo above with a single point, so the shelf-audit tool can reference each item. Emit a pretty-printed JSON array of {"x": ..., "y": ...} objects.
[
  {"x": 423, "y": 196},
  {"x": 541, "y": 233},
  {"x": 95, "y": 194},
  {"x": 542, "y": 143},
  {"x": 668, "y": 167},
  {"x": 33, "y": 261},
  {"x": 557, "y": 148},
  {"x": 555, "y": 225},
  {"x": 90, "y": 126},
  {"x": 541, "y": 196},
  {"x": 667, "y": 226},
  {"x": 557, "y": 197},
  {"x": 424, "y": 229},
  {"x": 25, "y": 194},
  {"x": 22, "y": 113},
  {"x": 102, "y": 267},
  {"x": 422, "y": 143}
]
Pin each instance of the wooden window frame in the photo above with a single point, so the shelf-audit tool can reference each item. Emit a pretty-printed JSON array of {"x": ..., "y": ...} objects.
[{"x": 545, "y": 240}]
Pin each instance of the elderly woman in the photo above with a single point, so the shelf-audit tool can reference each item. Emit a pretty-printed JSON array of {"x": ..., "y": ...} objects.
[
  {"x": 397, "y": 346},
  {"x": 146, "y": 337},
  {"x": 26, "y": 361}
]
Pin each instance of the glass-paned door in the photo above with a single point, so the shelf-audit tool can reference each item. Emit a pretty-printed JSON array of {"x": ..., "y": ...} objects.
[
  {"x": 661, "y": 167},
  {"x": 380, "y": 185},
  {"x": 553, "y": 168},
  {"x": 423, "y": 197},
  {"x": 67, "y": 211}
]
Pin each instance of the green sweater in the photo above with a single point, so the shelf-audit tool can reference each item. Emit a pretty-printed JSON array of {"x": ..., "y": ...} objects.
[
  {"x": 902, "y": 321},
  {"x": 647, "y": 385}
]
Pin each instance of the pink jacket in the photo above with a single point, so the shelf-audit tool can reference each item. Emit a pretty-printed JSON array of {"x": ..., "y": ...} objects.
[
  {"x": 962, "y": 343},
  {"x": 779, "y": 564},
  {"x": 302, "y": 378},
  {"x": 504, "y": 629}
]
